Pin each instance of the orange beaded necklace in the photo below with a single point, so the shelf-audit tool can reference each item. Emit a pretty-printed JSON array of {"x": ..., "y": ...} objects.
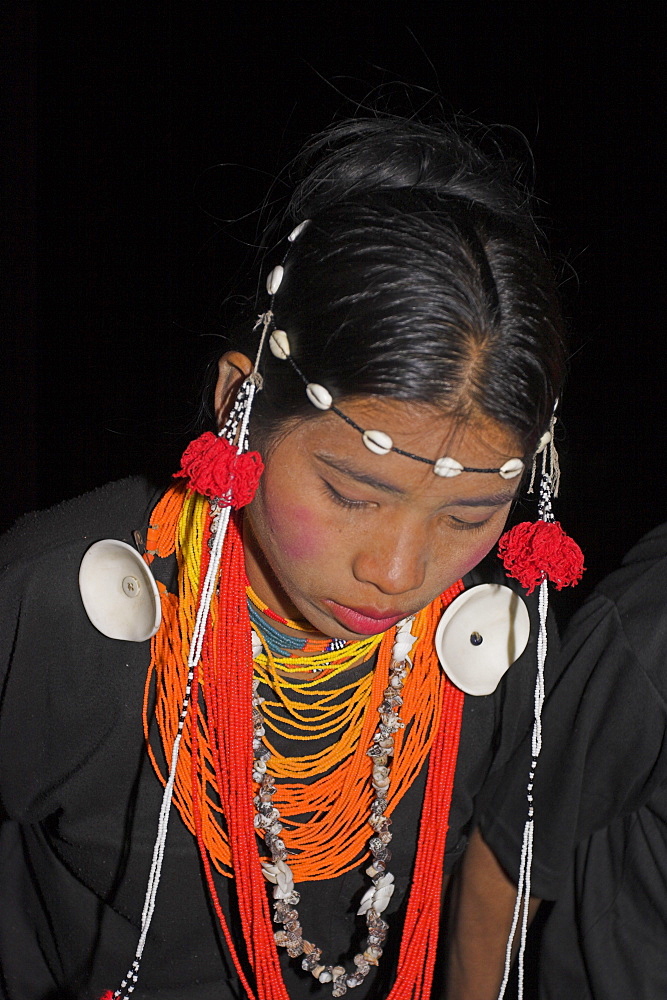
[{"x": 214, "y": 789}]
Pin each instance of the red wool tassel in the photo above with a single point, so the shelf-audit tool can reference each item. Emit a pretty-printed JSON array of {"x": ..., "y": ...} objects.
[
  {"x": 213, "y": 468},
  {"x": 537, "y": 550},
  {"x": 107, "y": 996}
]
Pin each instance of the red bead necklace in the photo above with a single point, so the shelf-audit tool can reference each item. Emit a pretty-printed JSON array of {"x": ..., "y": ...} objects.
[{"x": 230, "y": 729}]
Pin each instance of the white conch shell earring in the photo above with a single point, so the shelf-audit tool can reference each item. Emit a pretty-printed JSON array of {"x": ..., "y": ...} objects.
[
  {"x": 118, "y": 591},
  {"x": 480, "y": 635}
]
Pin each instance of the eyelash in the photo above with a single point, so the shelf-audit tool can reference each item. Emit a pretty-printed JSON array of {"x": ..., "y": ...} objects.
[
  {"x": 344, "y": 501},
  {"x": 459, "y": 525}
]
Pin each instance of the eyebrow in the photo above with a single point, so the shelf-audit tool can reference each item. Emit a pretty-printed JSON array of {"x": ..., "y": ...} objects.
[
  {"x": 495, "y": 500},
  {"x": 346, "y": 469},
  {"x": 340, "y": 465}
]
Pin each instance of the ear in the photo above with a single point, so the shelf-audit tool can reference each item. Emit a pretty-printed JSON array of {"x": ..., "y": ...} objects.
[{"x": 233, "y": 369}]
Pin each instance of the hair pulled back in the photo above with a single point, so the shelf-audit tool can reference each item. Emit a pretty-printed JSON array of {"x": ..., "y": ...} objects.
[{"x": 419, "y": 276}]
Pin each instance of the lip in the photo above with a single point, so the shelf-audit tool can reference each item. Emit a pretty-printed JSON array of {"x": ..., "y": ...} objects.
[{"x": 364, "y": 621}]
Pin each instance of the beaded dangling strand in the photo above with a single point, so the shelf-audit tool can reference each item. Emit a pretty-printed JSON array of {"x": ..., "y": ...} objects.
[
  {"x": 535, "y": 554},
  {"x": 234, "y": 479}
]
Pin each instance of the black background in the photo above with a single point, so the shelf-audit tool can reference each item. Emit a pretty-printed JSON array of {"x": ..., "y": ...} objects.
[{"x": 119, "y": 259}]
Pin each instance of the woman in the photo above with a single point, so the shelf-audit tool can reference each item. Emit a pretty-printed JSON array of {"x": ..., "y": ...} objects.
[{"x": 401, "y": 377}]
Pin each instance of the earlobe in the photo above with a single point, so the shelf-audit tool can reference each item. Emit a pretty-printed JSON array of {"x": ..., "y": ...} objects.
[{"x": 233, "y": 369}]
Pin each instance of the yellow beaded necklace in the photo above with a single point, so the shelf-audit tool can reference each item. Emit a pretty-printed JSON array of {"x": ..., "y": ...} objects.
[{"x": 334, "y": 711}]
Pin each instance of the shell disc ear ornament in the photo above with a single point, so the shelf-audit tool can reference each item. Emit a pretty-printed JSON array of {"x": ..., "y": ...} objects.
[
  {"x": 118, "y": 591},
  {"x": 480, "y": 635}
]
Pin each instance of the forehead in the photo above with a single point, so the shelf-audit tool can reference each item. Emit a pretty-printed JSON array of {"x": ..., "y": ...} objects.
[
  {"x": 432, "y": 431},
  {"x": 421, "y": 429}
]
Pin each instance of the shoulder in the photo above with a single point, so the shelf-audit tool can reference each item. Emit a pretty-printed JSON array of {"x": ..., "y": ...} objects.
[
  {"x": 114, "y": 510},
  {"x": 41, "y": 555},
  {"x": 68, "y": 691},
  {"x": 641, "y": 581},
  {"x": 628, "y": 612}
]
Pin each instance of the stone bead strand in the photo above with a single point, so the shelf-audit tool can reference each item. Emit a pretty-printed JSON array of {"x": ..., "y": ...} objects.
[{"x": 278, "y": 872}]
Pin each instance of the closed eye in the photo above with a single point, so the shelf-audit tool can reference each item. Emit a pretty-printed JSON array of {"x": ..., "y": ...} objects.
[
  {"x": 460, "y": 525},
  {"x": 344, "y": 501}
]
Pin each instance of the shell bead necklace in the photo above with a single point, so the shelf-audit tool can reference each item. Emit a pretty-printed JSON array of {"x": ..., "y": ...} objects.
[{"x": 278, "y": 871}]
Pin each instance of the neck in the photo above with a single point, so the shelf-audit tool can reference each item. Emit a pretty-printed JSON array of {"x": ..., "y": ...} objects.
[{"x": 267, "y": 590}]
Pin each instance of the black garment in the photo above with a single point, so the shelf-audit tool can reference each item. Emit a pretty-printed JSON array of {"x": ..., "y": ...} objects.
[
  {"x": 82, "y": 800},
  {"x": 602, "y": 785}
]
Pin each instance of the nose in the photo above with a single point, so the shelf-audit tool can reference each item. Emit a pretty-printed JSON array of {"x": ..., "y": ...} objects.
[{"x": 393, "y": 560}]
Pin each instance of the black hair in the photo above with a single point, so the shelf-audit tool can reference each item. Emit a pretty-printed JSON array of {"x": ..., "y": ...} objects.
[{"x": 419, "y": 276}]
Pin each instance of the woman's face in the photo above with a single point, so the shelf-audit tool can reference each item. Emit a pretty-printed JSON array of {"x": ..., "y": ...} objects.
[{"x": 354, "y": 541}]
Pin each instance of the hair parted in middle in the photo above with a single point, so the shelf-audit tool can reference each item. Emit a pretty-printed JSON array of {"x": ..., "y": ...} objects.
[{"x": 420, "y": 277}]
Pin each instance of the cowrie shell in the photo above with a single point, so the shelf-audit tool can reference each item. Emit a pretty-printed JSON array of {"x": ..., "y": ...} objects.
[
  {"x": 319, "y": 396},
  {"x": 274, "y": 279},
  {"x": 511, "y": 469},
  {"x": 297, "y": 230},
  {"x": 447, "y": 467},
  {"x": 279, "y": 345},
  {"x": 377, "y": 442}
]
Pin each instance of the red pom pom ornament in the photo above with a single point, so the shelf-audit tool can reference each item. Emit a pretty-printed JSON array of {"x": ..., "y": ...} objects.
[
  {"x": 534, "y": 551},
  {"x": 213, "y": 467}
]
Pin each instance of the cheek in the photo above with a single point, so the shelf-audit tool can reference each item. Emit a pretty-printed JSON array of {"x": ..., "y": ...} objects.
[
  {"x": 296, "y": 529},
  {"x": 473, "y": 555},
  {"x": 476, "y": 549}
]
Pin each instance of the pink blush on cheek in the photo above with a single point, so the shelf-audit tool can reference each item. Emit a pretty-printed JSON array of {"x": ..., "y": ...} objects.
[
  {"x": 475, "y": 557},
  {"x": 295, "y": 529}
]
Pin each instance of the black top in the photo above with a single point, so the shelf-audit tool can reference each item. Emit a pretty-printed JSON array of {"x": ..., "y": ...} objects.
[
  {"x": 82, "y": 799},
  {"x": 602, "y": 785}
]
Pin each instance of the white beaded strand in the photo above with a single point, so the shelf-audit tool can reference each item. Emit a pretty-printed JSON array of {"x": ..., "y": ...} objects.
[
  {"x": 236, "y": 427},
  {"x": 129, "y": 982},
  {"x": 526, "y": 862}
]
